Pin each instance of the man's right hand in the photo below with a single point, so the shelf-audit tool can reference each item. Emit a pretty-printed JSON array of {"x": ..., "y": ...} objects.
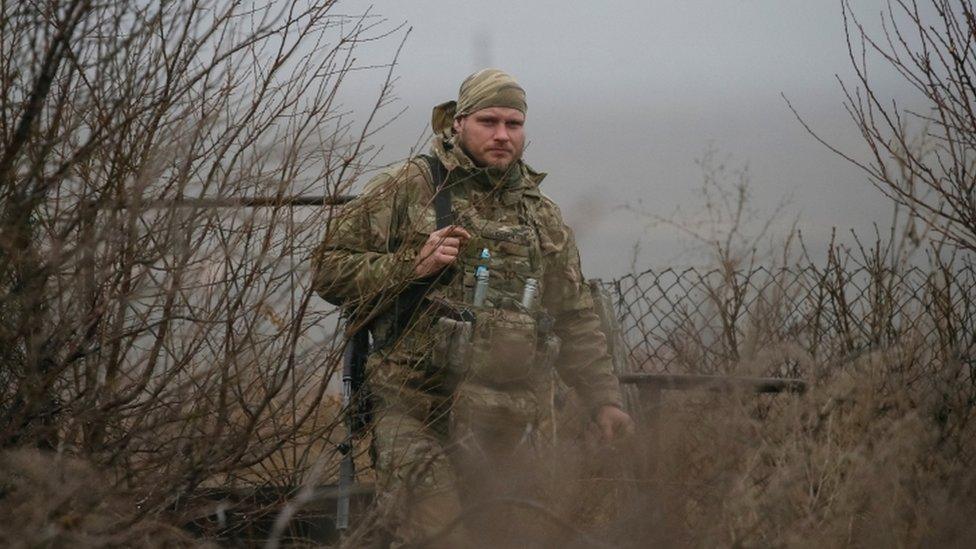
[{"x": 440, "y": 250}]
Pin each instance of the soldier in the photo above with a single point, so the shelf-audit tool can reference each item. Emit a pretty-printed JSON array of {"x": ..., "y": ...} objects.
[{"x": 452, "y": 372}]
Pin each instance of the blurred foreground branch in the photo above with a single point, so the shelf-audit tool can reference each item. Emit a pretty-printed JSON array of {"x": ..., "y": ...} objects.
[{"x": 177, "y": 347}]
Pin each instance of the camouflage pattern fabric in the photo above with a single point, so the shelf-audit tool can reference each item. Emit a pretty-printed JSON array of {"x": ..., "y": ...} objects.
[
  {"x": 485, "y": 88},
  {"x": 415, "y": 473},
  {"x": 367, "y": 256},
  {"x": 490, "y": 88},
  {"x": 425, "y": 413}
]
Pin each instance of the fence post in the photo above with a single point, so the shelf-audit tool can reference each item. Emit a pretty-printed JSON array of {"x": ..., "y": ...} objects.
[
  {"x": 643, "y": 402},
  {"x": 615, "y": 342}
]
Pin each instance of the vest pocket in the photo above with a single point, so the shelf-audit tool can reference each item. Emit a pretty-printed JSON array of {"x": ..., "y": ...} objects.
[
  {"x": 500, "y": 348},
  {"x": 452, "y": 346},
  {"x": 504, "y": 347}
]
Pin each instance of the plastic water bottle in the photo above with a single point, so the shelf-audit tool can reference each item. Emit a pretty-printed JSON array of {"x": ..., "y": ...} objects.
[
  {"x": 481, "y": 280},
  {"x": 528, "y": 294}
]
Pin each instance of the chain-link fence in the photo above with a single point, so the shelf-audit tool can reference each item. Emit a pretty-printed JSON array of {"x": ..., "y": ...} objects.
[{"x": 790, "y": 321}]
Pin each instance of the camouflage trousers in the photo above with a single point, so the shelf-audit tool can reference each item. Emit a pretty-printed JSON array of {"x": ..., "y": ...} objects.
[{"x": 437, "y": 456}]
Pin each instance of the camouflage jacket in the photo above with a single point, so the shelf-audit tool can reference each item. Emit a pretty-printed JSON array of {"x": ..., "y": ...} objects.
[{"x": 367, "y": 256}]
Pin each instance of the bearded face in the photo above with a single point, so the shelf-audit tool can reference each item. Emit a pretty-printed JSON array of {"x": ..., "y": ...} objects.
[{"x": 493, "y": 137}]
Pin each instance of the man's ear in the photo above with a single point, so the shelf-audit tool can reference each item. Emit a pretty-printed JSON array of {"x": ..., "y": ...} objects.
[{"x": 457, "y": 123}]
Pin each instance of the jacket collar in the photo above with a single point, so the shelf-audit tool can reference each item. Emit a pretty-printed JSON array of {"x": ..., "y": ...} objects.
[{"x": 519, "y": 179}]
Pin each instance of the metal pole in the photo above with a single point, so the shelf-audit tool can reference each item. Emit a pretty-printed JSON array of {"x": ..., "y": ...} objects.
[
  {"x": 687, "y": 382},
  {"x": 243, "y": 202}
]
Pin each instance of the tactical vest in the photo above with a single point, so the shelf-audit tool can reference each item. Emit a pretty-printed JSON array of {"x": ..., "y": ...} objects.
[{"x": 499, "y": 344}]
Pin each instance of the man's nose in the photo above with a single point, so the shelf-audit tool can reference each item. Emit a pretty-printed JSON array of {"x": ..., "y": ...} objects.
[{"x": 501, "y": 133}]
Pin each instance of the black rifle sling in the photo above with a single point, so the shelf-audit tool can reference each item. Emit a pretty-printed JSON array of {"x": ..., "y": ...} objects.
[
  {"x": 354, "y": 372},
  {"x": 442, "y": 194},
  {"x": 409, "y": 300}
]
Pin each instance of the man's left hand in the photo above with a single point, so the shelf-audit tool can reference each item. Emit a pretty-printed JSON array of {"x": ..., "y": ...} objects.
[{"x": 613, "y": 423}]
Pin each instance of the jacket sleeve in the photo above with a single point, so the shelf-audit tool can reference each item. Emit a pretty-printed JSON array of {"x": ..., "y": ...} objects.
[
  {"x": 584, "y": 361},
  {"x": 360, "y": 261}
]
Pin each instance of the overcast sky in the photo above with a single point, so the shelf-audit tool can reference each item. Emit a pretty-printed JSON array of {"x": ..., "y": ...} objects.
[{"x": 625, "y": 96}]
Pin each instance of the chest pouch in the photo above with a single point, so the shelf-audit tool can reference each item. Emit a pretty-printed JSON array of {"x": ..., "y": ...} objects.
[
  {"x": 500, "y": 348},
  {"x": 500, "y": 363},
  {"x": 502, "y": 344},
  {"x": 504, "y": 347}
]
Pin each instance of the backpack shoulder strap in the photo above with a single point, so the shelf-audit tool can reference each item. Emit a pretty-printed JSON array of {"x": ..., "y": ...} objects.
[{"x": 443, "y": 212}]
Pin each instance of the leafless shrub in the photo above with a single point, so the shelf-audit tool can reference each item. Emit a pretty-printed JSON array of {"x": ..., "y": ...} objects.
[
  {"x": 877, "y": 452},
  {"x": 922, "y": 160},
  {"x": 146, "y": 327},
  {"x": 724, "y": 223}
]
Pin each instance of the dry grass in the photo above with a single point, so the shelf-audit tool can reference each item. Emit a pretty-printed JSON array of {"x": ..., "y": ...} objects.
[
  {"x": 862, "y": 459},
  {"x": 852, "y": 462},
  {"x": 879, "y": 451},
  {"x": 161, "y": 349},
  {"x": 58, "y": 501}
]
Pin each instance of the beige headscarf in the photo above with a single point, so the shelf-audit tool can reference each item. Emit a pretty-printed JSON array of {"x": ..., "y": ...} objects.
[{"x": 483, "y": 89}]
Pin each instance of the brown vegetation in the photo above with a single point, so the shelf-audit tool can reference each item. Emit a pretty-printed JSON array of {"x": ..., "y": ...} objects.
[
  {"x": 159, "y": 350},
  {"x": 878, "y": 451},
  {"x": 147, "y": 325}
]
